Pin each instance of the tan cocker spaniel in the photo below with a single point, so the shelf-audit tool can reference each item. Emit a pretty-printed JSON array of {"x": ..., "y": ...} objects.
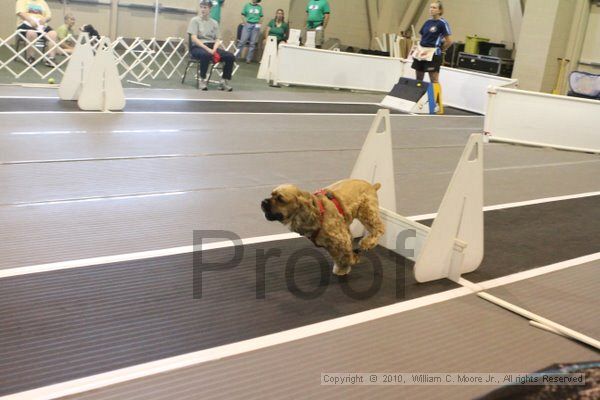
[{"x": 325, "y": 217}]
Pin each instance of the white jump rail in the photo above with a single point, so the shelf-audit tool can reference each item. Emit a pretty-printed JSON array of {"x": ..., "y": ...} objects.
[{"x": 540, "y": 119}]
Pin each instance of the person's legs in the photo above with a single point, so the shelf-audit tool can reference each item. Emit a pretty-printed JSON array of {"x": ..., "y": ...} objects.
[
  {"x": 227, "y": 59},
  {"x": 420, "y": 75},
  {"x": 51, "y": 37},
  {"x": 434, "y": 68},
  {"x": 434, "y": 76},
  {"x": 255, "y": 32},
  {"x": 246, "y": 33},
  {"x": 31, "y": 37},
  {"x": 204, "y": 56}
]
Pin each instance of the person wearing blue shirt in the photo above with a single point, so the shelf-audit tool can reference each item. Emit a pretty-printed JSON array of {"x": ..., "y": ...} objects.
[{"x": 435, "y": 34}]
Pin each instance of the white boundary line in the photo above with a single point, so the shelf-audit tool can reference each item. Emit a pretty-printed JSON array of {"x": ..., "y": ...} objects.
[
  {"x": 227, "y": 113},
  {"x": 87, "y": 262},
  {"x": 532, "y": 273},
  {"x": 216, "y": 353},
  {"x": 517, "y": 204},
  {"x": 213, "y": 100}
]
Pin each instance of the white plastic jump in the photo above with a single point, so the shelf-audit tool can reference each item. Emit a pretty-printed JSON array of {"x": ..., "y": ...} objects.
[
  {"x": 93, "y": 80},
  {"x": 79, "y": 65},
  {"x": 454, "y": 243},
  {"x": 268, "y": 63}
]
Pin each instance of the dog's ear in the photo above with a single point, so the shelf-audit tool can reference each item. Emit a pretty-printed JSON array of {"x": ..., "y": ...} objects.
[
  {"x": 309, "y": 209},
  {"x": 306, "y": 217},
  {"x": 305, "y": 200}
]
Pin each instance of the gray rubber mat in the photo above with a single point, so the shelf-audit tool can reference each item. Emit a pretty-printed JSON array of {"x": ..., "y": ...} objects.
[
  {"x": 569, "y": 297},
  {"x": 150, "y": 105},
  {"x": 62, "y": 325},
  {"x": 460, "y": 335}
]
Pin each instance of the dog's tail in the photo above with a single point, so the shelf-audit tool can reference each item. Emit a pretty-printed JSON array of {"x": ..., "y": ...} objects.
[{"x": 377, "y": 186}]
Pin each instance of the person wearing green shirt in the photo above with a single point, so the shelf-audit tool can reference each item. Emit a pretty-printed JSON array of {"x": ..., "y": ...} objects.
[
  {"x": 278, "y": 27},
  {"x": 252, "y": 14},
  {"x": 64, "y": 31},
  {"x": 317, "y": 18},
  {"x": 215, "y": 11}
]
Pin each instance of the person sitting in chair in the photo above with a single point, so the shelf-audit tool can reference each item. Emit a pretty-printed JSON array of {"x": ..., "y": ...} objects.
[
  {"x": 204, "y": 46},
  {"x": 33, "y": 20},
  {"x": 278, "y": 27},
  {"x": 64, "y": 31}
]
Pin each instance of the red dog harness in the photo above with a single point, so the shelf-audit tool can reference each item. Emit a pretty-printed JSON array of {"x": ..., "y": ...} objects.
[{"x": 333, "y": 199}]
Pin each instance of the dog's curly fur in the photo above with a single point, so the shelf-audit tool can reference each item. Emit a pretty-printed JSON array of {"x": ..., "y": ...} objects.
[{"x": 299, "y": 210}]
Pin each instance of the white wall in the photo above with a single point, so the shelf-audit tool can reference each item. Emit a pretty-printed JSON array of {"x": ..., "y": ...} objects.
[{"x": 348, "y": 20}]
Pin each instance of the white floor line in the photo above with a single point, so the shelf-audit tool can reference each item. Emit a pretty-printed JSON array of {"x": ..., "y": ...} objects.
[
  {"x": 87, "y": 262},
  {"x": 535, "y": 319},
  {"x": 5, "y": 273},
  {"x": 216, "y": 353},
  {"x": 532, "y": 273},
  {"x": 517, "y": 204},
  {"x": 213, "y": 100},
  {"x": 226, "y": 113}
]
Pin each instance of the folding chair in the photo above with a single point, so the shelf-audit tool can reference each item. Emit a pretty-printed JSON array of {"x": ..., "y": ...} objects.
[
  {"x": 21, "y": 39},
  {"x": 191, "y": 61}
]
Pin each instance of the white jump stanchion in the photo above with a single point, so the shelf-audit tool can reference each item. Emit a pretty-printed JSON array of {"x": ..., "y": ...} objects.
[
  {"x": 77, "y": 69},
  {"x": 460, "y": 216},
  {"x": 103, "y": 91},
  {"x": 376, "y": 166},
  {"x": 454, "y": 244},
  {"x": 268, "y": 63},
  {"x": 375, "y": 163}
]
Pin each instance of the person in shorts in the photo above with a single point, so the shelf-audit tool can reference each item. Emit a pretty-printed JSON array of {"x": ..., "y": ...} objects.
[{"x": 435, "y": 34}]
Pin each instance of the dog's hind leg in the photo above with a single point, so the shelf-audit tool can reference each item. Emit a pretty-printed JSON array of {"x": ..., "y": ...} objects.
[{"x": 368, "y": 215}]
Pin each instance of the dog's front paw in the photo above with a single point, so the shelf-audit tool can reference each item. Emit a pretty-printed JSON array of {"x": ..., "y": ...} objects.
[{"x": 341, "y": 271}]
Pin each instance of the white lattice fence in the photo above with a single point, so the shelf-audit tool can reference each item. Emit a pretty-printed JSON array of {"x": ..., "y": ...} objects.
[{"x": 137, "y": 59}]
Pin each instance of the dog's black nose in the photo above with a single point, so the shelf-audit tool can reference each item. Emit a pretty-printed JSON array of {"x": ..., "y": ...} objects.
[{"x": 265, "y": 205}]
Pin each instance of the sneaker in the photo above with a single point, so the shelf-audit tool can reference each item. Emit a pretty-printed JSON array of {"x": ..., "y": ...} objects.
[
  {"x": 203, "y": 84},
  {"x": 30, "y": 60},
  {"x": 224, "y": 85}
]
